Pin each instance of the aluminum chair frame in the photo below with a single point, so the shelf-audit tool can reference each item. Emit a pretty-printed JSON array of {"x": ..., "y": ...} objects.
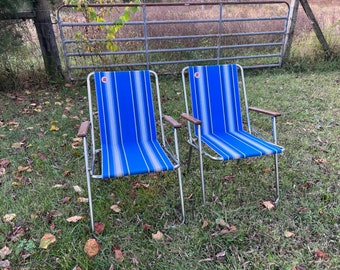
[
  {"x": 195, "y": 124},
  {"x": 87, "y": 129}
]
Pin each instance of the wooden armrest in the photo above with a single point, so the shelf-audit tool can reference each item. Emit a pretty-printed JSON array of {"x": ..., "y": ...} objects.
[
  {"x": 191, "y": 119},
  {"x": 264, "y": 111},
  {"x": 172, "y": 121},
  {"x": 83, "y": 129}
]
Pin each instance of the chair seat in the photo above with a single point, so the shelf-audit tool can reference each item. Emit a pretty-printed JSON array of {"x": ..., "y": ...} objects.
[
  {"x": 241, "y": 144},
  {"x": 132, "y": 158}
]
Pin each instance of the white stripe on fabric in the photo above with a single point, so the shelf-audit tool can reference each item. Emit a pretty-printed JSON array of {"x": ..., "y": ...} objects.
[
  {"x": 139, "y": 122},
  {"x": 154, "y": 159},
  {"x": 115, "y": 128}
]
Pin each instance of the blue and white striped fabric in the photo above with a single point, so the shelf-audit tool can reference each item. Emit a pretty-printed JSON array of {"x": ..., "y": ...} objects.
[
  {"x": 216, "y": 102},
  {"x": 127, "y": 125}
]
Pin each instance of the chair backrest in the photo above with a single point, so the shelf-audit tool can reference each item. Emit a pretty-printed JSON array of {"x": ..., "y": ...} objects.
[
  {"x": 216, "y": 98},
  {"x": 125, "y": 107}
]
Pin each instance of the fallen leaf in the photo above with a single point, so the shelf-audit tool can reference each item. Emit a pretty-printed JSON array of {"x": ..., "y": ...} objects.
[
  {"x": 147, "y": 227},
  {"x": 229, "y": 177},
  {"x": 74, "y": 218},
  {"x": 288, "y": 234},
  {"x": 221, "y": 256},
  {"x": 65, "y": 199},
  {"x": 54, "y": 128},
  {"x": 119, "y": 256},
  {"x": 82, "y": 200},
  {"x": 116, "y": 208},
  {"x": 5, "y": 251},
  {"x": 78, "y": 189},
  {"x": 77, "y": 268},
  {"x": 221, "y": 222},
  {"x": 319, "y": 254},
  {"x": 17, "y": 145},
  {"x": 8, "y": 217},
  {"x": 5, "y": 264},
  {"x": 55, "y": 213},
  {"x": 269, "y": 205},
  {"x": 205, "y": 224},
  {"x": 158, "y": 236},
  {"x": 299, "y": 267},
  {"x": 4, "y": 162},
  {"x": 266, "y": 170},
  {"x": 46, "y": 240},
  {"x": 99, "y": 227},
  {"x": 91, "y": 247}
]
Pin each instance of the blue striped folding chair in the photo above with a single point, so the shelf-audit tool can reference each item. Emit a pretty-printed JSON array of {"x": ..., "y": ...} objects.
[
  {"x": 214, "y": 117},
  {"x": 127, "y": 127}
]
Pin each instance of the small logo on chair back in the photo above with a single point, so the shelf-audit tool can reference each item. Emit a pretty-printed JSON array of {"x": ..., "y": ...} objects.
[
  {"x": 104, "y": 79},
  {"x": 197, "y": 75}
]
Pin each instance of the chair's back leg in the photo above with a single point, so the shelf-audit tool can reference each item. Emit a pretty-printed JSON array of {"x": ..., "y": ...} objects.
[
  {"x": 276, "y": 158},
  {"x": 201, "y": 161}
]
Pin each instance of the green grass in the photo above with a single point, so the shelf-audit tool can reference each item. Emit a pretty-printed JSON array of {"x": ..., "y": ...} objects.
[{"x": 309, "y": 170}]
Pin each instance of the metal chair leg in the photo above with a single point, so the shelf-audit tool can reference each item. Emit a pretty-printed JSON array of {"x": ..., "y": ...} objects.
[
  {"x": 88, "y": 180},
  {"x": 276, "y": 159}
]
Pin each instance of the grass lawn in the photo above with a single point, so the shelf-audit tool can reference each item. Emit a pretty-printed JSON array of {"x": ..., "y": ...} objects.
[{"x": 41, "y": 161}]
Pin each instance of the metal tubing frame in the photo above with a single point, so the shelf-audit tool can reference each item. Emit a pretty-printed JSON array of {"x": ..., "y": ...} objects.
[
  {"x": 199, "y": 146},
  {"x": 89, "y": 156}
]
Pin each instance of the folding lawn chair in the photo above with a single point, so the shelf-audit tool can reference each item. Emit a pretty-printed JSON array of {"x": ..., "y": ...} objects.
[
  {"x": 128, "y": 142},
  {"x": 214, "y": 117}
]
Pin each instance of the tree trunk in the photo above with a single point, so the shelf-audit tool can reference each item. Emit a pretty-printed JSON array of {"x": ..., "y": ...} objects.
[{"x": 47, "y": 39}]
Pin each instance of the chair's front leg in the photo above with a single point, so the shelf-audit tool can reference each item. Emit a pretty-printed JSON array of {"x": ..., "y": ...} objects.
[{"x": 82, "y": 133}]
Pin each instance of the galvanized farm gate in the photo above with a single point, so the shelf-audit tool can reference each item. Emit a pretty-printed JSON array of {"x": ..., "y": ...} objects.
[{"x": 168, "y": 36}]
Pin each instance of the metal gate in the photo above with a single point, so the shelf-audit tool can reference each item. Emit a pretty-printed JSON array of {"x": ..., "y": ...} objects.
[{"x": 166, "y": 37}]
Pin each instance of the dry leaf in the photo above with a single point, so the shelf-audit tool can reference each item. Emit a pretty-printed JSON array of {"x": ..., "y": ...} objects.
[
  {"x": 5, "y": 251},
  {"x": 78, "y": 189},
  {"x": 54, "y": 128},
  {"x": 299, "y": 267},
  {"x": 74, "y": 218},
  {"x": 269, "y": 205},
  {"x": 147, "y": 227},
  {"x": 205, "y": 224},
  {"x": 319, "y": 254},
  {"x": 288, "y": 234},
  {"x": 17, "y": 145},
  {"x": 5, "y": 264},
  {"x": 65, "y": 199},
  {"x": 221, "y": 222},
  {"x": 91, "y": 247},
  {"x": 158, "y": 236},
  {"x": 82, "y": 200},
  {"x": 46, "y": 240},
  {"x": 116, "y": 208},
  {"x": 8, "y": 217},
  {"x": 98, "y": 227},
  {"x": 55, "y": 213},
  {"x": 119, "y": 256}
]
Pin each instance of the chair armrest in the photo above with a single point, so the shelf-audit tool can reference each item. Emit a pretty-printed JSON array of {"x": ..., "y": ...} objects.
[
  {"x": 83, "y": 129},
  {"x": 275, "y": 114},
  {"x": 172, "y": 121},
  {"x": 191, "y": 119}
]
